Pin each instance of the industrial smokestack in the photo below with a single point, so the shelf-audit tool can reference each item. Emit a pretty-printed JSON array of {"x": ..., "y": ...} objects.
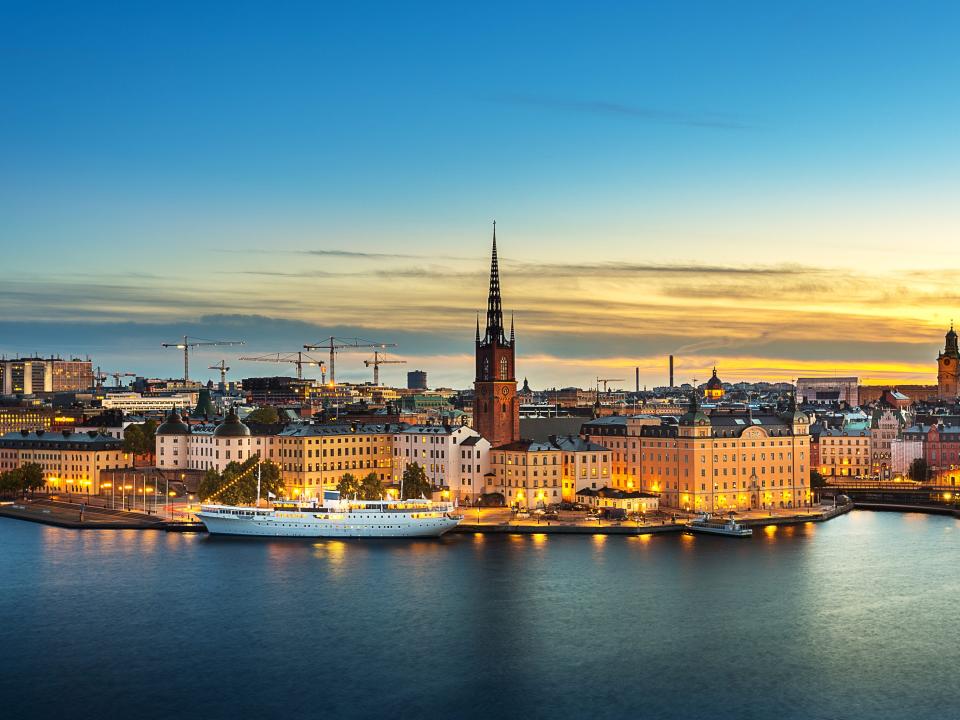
[
  {"x": 671, "y": 371},
  {"x": 637, "y": 370}
]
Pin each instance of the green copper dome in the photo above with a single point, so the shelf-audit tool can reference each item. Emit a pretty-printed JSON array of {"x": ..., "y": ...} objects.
[
  {"x": 231, "y": 426},
  {"x": 173, "y": 425}
]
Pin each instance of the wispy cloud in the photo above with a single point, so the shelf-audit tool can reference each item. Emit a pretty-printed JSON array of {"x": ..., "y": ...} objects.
[{"x": 638, "y": 112}]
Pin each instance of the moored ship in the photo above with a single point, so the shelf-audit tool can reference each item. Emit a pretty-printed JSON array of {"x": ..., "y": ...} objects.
[
  {"x": 335, "y": 517},
  {"x": 730, "y": 527}
]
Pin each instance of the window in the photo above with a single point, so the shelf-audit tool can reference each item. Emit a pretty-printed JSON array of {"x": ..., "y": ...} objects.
[{"x": 503, "y": 369}]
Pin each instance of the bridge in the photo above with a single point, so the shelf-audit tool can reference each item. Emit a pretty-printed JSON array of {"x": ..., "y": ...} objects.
[{"x": 897, "y": 495}]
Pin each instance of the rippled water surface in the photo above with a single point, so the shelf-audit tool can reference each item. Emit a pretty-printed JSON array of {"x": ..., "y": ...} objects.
[{"x": 855, "y": 618}]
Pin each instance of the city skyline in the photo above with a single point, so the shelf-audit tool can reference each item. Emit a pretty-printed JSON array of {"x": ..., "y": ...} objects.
[{"x": 770, "y": 194}]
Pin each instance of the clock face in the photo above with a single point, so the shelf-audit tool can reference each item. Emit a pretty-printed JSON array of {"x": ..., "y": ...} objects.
[
  {"x": 946, "y": 361},
  {"x": 505, "y": 391}
]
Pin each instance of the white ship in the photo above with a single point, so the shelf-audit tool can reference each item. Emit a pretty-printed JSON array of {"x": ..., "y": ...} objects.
[
  {"x": 335, "y": 517},
  {"x": 730, "y": 528}
]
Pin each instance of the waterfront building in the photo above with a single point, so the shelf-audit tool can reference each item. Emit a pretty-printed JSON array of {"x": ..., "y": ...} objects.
[
  {"x": 533, "y": 473},
  {"x": 453, "y": 457},
  {"x": 71, "y": 462},
  {"x": 940, "y": 445},
  {"x": 496, "y": 409},
  {"x": 208, "y": 446},
  {"x": 948, "y": 368},
  {"x": 845, "y": 452},
  {"x": 621, "y": 435},
  {"x": 316, "y": 457},
  {"x": 26, "y": 376},
  {"x": 629, "y": 500},
  {"x": 829, "y": 390},
  {"x": 729, "y": 460}
]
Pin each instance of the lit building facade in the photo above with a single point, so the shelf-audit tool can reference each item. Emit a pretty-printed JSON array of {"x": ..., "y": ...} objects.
[
  {"x": 845, "y": 453},
  {"x": 734, "y": 460},
  {"x": 531, "y": 474},
  {"x": 453, "y": 457},
  {"x": 26, "y": 376},
  {"x": 948, "y": 368},
  {"x": 71, "y": 462}
]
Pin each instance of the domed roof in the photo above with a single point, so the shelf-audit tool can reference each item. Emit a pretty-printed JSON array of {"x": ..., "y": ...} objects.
[
  {"x": 173, "y": 425},
  {"x": 231, "y": 426},
  {"x": 714, "y": 382}
]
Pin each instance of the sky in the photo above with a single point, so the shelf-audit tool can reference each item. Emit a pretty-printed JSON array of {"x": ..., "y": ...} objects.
[{"x": 771, "y": 188}]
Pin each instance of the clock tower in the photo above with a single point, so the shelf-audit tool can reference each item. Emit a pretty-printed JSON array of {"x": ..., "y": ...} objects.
[
  {"x": 948, "y": 371},
  {"x": 496, "y": 411}
]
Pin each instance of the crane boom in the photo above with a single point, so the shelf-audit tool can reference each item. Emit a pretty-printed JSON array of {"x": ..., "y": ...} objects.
[
  {"x": 378, "y": 360},
  {"x": 188, "y": 343},
  {"x": 335, "y": 345},
  {"x": 298, "y": 358}
]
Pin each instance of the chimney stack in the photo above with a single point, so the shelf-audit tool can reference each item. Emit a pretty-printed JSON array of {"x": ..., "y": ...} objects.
[{"x": 671, "y": 371}]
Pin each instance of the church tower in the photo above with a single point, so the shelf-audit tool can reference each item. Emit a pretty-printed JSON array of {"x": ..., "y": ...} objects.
[
  {"x": 496, "y": 411},
  {"x": 948, "y": 368}
]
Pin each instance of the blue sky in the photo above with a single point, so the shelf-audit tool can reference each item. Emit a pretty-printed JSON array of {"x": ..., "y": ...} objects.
[{"x": 769, "y": 187}]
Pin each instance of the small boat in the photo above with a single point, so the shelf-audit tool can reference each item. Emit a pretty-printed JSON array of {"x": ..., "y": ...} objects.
[{"x": 729, "y": 527}]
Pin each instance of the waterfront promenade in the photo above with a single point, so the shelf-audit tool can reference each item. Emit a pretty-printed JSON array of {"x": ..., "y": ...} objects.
[{"x": 82, "y": 516}]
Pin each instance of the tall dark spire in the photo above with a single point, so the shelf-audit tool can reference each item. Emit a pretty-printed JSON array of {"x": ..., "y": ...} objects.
[
  {"x": 478, "y": 327},
  {"x": 513, "y": 336},
  {"x": 494, "y": 311}
]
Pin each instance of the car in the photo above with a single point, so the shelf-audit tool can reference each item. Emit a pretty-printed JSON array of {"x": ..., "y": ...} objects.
[{"x": 550, "y": 515}]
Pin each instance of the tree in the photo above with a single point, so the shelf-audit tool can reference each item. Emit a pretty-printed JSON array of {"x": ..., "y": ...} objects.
[
  {"x": 237, "y": 484},
  {"x": 919, "y": 470},
  {"x": 817, "y": 480},
  {"x": 348, "y": 486},
  {"x": 133, "y": 442},
  {"x": 371, "y": 488},
  {"x": 26, "y": 478},
  {"x": 265, "y": 415},
  {"x": 31, "y": 477},
  {"x": 415, "y": 483}
]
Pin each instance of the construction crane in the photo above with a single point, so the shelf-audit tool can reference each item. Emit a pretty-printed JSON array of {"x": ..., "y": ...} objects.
[
  {"x": 189, "y": 342},
  {"x": 605, "y": 381},
  {"x": 102, "y": 376},
  {"x": 297, "y": 357},
  {"x": 223, "y": 368},
  {"x": 335, "y": 345},
  {"x": 378, "y": 360}
]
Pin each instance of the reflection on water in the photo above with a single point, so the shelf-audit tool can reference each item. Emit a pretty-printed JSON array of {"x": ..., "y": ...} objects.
[{"x": 850, "y": 619}]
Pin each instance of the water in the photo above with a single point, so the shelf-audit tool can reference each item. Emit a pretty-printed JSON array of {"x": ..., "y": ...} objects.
[{"x": 855, "y": 618}]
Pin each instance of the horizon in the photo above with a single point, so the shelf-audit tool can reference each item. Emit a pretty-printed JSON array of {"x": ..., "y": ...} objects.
[{"x": 764, "y": 189}]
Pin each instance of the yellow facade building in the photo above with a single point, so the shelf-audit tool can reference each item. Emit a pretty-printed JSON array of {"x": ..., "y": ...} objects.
[
  {"x": 533, "y": 474},
  {"x": 71, "y": 462},
  {"x": 728, "y": 460}
]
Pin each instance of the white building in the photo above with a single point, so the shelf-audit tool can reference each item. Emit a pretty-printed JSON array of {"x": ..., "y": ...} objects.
[
  {"x": 131, "y": 402},
  {"x": 203, "y": 447},
  {"x": 903, "y": 453},
  {"x": 455, "y": 457}
]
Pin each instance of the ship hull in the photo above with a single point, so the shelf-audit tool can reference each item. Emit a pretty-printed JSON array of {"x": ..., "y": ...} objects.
[{"x": 312, "y": 528}]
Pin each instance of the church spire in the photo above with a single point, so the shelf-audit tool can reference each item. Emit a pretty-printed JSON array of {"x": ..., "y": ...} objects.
[
  {"x": 513, "y": 336},
  {"x": 494, "y": 311},
  {"x": 478, "y": 327}
]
